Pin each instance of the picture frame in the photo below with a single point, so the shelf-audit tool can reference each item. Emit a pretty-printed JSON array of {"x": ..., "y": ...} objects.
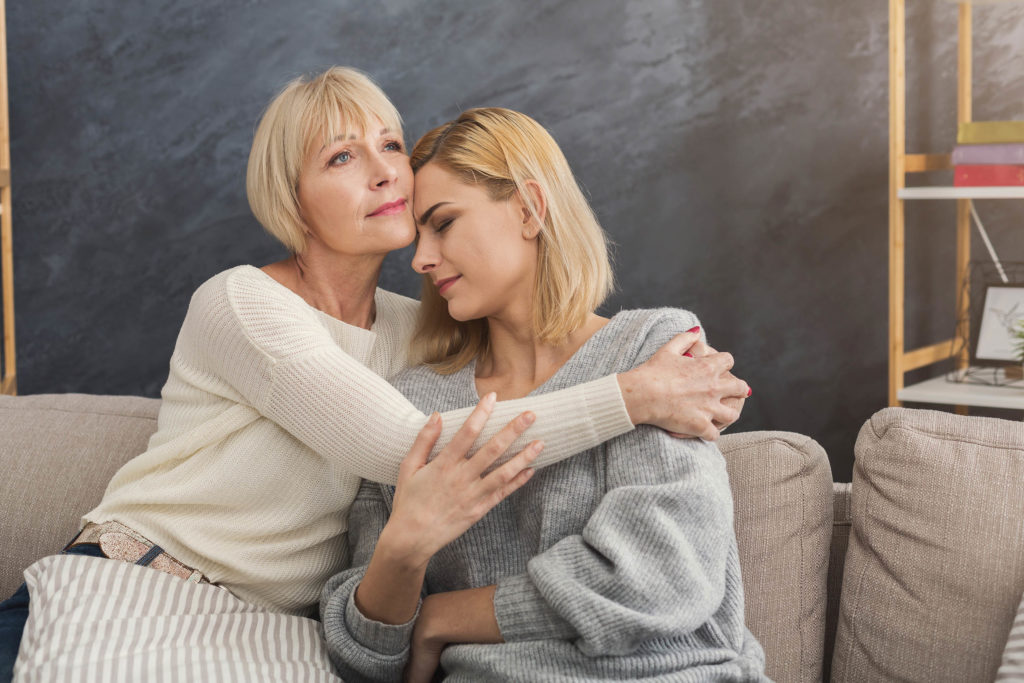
[{"x": 992, "y": 336}]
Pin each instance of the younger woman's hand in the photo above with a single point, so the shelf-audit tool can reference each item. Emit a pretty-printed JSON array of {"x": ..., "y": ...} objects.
[
  {"x": 436, "y": 502},
  {"x": 692, "y": 395}
]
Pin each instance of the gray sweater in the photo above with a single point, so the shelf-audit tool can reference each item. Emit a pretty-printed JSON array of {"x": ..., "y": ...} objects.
[{"x": 617, "y": 564}]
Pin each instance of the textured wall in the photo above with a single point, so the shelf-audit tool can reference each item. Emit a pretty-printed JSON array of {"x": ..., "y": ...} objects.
[{"x": 736, "y": 152}]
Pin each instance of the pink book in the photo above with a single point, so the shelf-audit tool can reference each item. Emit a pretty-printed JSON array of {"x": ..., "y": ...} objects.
[
  {"x": 987, "y": 175},
  {"x": 1007, "y": 153}
]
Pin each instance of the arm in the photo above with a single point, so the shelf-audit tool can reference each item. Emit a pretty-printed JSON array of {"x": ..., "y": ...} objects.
[
  {"x": 278, "y": 358},
  {"x": 372, "y": 609},
  {"x": 650, "y": 563},
  {"x": 362, "y": 648}
]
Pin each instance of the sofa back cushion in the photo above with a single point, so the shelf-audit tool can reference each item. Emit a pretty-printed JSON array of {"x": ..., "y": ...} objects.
[
  {"x": 782, "y": 492},
  {"x": 58, "y": 453},
  {"x": 935, "y": 567}
]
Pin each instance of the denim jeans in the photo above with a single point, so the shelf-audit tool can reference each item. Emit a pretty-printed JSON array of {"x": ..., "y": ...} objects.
[{"x": 14, "y": 614}]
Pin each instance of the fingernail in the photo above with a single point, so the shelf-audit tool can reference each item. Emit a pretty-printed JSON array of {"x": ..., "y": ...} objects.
[
  {"x": 688, "y": 354},
  {"x": 694, "y": 329},
  {"x": 528, "y": 418},
  {"x": 750, "y": 390},
  {"x": 434, "y": 418},
  {"x": 491, "y": 398},
  {"x": 537, "y": 446}
]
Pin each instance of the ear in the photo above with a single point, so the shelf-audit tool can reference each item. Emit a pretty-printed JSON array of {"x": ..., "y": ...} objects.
[{"x": 533, "y": 222}]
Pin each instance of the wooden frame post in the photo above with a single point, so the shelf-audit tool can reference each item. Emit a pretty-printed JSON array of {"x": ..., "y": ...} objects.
[
  {"x": 9, "y": 380},
  {"x": 897, "y": 180}
]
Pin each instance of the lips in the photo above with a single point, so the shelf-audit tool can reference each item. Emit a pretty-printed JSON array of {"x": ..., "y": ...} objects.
[
  {"x": 390, "y": 209},
  {"x": 447, "y": 282}
]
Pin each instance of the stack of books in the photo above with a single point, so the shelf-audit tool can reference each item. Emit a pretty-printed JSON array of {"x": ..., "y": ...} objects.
[{"x": 989, "y": 153}]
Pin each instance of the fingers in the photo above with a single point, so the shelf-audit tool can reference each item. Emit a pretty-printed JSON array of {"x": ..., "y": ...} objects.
[
  {"x": 504, "y": 480},
  {"x": 682, "y": 342},
  {"x": 699, "y": 349},
  {"x": 736, "y": 388},
  {"x": 463, "y": 440},
  {"x": 725, "y": 413},
  {"x": 499, "y": 443},
  {"x": 723, "y": 359},
  {"x": 424, "y": 443}
]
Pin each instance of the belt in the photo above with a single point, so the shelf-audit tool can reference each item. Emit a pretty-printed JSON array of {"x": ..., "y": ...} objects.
[{"x": 119, "y": 542}]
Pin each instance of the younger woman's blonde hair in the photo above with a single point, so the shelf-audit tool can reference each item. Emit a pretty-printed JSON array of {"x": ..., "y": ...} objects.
[
  {"x": 500, "y": 150},
  {"x": 309, "y": 112}
]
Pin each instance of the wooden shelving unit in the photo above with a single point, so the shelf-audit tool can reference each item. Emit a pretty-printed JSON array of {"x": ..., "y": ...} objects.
[
  {"x": 901, "y": 164},
  {"x": 9, "y": 378}
]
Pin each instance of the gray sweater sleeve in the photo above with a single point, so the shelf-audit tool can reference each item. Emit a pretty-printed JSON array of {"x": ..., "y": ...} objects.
[
  {"x": 650, "y": 562},
  {"x": 360, "y": 648}
]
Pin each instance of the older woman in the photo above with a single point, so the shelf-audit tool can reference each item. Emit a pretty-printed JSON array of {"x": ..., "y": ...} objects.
[
  {"x": 620, "y": 565},
  {"x": 277, "y": 402}
]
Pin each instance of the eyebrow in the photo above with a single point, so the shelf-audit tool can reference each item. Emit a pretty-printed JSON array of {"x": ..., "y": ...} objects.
[
  {"x": 430, "y": 212},
  {"x": 352, "y": 136}
]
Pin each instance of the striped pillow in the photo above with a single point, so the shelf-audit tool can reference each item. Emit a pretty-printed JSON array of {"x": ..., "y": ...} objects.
[
  {"x": 93, "y": 619},
  {"x": 1012, "y": 668}
]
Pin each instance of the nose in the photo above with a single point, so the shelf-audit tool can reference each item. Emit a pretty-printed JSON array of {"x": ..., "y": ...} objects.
[
  {"x": 427, "y": 256},
  {"x": 384, "y": 172}
]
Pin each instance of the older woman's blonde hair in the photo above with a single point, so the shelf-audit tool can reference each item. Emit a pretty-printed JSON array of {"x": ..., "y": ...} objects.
[
  {"x": 500, "y": 150},
  {"x": 307, "y": 113}
]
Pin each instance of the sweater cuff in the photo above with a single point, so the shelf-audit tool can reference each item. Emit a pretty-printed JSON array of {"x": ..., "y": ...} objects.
[
  {"x": 523, "y": 614},
  {"x": 607, "y": 408},
  {"x": 387, "y": 639}
]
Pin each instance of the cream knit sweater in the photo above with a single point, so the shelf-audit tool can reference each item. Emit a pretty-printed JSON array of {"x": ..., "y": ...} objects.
[{"x": 272, "y": 413}]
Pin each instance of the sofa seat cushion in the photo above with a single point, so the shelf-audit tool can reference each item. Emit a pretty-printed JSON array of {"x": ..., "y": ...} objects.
[
  {"x": 782, "y": 492},
  {"x": 59, "y": 451},
  {"x": 935, "y": 567}
]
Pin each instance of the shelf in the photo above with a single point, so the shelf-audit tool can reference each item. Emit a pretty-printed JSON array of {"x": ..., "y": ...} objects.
[
  {"x": 938, "y": 390},
  {"x": 961, "y": 193}
]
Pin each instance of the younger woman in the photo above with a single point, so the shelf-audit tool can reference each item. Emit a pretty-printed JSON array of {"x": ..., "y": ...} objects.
[{"x": 621, "y": 565}]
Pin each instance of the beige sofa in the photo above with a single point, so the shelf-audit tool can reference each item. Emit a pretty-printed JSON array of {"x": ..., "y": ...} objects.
[{"x": 914, "y": 574}]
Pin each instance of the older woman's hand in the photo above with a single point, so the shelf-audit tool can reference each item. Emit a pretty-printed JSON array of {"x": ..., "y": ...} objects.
[{"x": 691, "y": 395}]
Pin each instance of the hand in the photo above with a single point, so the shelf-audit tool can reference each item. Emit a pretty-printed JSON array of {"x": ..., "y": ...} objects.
[
  {"x": 692, "y": 396},
  {"x": 699, "y": 350},
  {"x": 436, "y": 502}
]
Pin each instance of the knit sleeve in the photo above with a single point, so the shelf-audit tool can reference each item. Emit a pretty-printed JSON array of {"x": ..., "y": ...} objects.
[
  {"x": 651, "y": 561},
  {"x": 360, "y": 648},
  {"x": 649, "y": 564},
  {"x": 282, "y": 361}
]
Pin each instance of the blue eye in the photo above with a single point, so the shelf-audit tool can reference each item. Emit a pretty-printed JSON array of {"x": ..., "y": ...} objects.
[
  {"x": 393, "y": 146},
  {"x": 341, "y": 158}
]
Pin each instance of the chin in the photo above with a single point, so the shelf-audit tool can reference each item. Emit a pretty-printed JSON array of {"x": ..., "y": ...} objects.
[{"x": 461, "y": 314}]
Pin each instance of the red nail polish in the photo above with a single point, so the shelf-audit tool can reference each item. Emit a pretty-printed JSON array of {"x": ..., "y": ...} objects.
[
  {"x": 750, "y": 390},
  {"x": 688, "y": 354},
  {"x": 694, "y": 329}
]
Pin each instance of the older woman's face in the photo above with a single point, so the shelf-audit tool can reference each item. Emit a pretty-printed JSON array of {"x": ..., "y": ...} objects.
[{"x": 355, "y": 194}]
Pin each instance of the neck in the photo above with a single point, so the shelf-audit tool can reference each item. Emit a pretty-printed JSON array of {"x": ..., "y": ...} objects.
[
  {"x": 341, "y": 286},
  {"x": 518, "y": 362}
]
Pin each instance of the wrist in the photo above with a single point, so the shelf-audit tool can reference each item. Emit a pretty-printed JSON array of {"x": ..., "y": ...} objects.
[
  {"x": 632, "y": 389},
  {"x": 402, "y": 550}
]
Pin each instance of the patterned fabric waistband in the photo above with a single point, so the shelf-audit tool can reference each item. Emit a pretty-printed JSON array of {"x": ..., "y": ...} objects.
[{"x": 119, "y": 542}]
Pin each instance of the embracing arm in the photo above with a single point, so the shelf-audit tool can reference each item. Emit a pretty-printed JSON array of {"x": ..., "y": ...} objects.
[{"x": 280, "y": 359}]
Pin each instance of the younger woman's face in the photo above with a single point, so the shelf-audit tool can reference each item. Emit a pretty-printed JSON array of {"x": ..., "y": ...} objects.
[{"x": 481, "y": 254}]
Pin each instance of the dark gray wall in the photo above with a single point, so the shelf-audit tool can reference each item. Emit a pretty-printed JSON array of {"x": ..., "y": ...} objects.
[{"x": 736, "y": 152}]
